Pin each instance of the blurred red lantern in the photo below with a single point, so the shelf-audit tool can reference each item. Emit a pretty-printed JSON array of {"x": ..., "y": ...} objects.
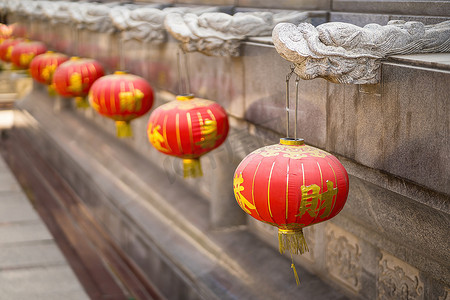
[
  {"x": 121, "y": 97},
  {"x": 5, "y": 32},
  {"x": 291, "y": 185},
  {"x": 75, "y": 77},
  {"x": 43, "y": 67},
  {"x": 188, "y": 128},
  {"x": 24, "y": 52},
  {"x": 6, "y": 48}
]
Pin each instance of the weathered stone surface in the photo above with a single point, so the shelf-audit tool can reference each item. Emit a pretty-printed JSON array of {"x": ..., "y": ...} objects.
[
  {"x": 14, "y": 207},
  {"x": 30, "y": 255},
  {"x": 416, "y": 138},
  {"x": 24, "y": 232},
  {"x": 288, "y": 4},
  {"x": 39, "y": 283},
  {"x": 418, "y": 7}
]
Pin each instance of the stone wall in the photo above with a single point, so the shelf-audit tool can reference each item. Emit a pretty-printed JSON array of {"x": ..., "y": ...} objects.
[{"x": 391, "y": 239}]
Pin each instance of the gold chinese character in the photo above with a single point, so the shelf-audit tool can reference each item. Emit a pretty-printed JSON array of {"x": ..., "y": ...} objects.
[
  {"x": 131, "y": 101},
  {"x": 327, "y": 200},
  {"x": 75, "y": 84},
  {"x": 242, "y": 201},
  {"x": 310, "y": 201},
  {"x": 48, "y": 71},
  {"x": 209, "y": 133},
  {"x": 25, "y": 58},
  {"x": 156, "y": 138},
  {"x": 9, "y": 52}
]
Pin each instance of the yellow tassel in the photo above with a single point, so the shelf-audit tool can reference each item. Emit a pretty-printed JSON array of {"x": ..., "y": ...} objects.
[
  {"x": 81, "y": 102},
  {"x": 297, "y": 280},
  {"x": 292, "y": 241},
  {"x": 192, "y": 168},
  {"x": 51, "y": 90},
  {"x": 123, "y": 129}
]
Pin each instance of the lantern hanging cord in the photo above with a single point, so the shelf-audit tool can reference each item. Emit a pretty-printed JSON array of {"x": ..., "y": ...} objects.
[
  {"x": 297, "y": 79},
  {"x": 288, "y": 78},
  {"x": 184, "y": 80}
]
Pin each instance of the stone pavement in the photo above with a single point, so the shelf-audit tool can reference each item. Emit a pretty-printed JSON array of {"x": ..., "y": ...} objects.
[{"x": 31, "y": 264}]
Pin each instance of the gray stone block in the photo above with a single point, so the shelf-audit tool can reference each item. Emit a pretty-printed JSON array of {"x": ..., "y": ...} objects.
[
  {"x": 24, "y": 232},
  {"x": 27, "y": 255},
  {"x": 15, "y": 207},
  {"x": 8, "y": 183},
  {"x": 418, "y": 7},
  {"x": 415, "y": 114},
  {"x": 55, "y": 282},
  {"x": 288, "y": 4},
  {"x": 359, "y": 19}
]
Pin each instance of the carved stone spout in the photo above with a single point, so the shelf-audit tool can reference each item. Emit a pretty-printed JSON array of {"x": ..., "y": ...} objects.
[
  {"x": 220, "y": 34},
  {"x": 346, "y": 53}
]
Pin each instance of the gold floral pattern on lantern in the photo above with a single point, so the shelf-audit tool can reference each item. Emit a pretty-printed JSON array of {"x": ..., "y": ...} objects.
[{"x": 291, "y": 152}]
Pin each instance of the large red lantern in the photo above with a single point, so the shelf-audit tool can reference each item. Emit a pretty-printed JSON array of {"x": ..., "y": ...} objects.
[
  {"x": 291, "y": 185},
  {"x": 24, "y": 52},
  {"x": 188, "y": 128},
  {"x": 6, "y": 48},
  {"x": 121, "y": 97},
  {"x": 75, "y": 77},
  {"x": 43, "y": 67}
]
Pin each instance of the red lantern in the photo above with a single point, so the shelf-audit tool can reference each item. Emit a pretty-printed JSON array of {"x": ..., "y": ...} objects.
[
  {"x": 5, "y": 32},
  {"x": 6, "y": 48},
  {"x": 75, "y": 77},
  {"x": 291, "y": 185},
  {"x": 24, "y": 52},
  {"x": 43, "y": 66},
  {"x": 188, "y": 128},
  {"x": 121, "y": 97}
]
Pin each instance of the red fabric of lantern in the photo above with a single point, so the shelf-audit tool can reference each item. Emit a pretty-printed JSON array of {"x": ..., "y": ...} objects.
[
  {"x": 121, "y": 97},
  {"x": 291, "y": 185},
  {"x": 6, "y": 48},
  {"x": 75, "y": 77},
  {"x": 43, "y": 67},
  {"x": 188, "y": 128},
  {"x": 24, "y": 52}
]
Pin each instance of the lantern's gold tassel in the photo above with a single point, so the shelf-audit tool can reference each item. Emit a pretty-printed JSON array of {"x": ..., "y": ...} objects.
[
  {"x": 123, "y": 129},
  {"x": 292, "y": 241},
  {"x": 192, "y": 167},
  {"x": 51, "y": 90},
  {"x": 297, "y": 280},
  {"x": 81, "y": 102}
]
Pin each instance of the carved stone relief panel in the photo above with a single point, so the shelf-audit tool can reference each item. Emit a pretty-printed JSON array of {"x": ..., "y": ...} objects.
[
  {"x": 446, "y": 295},
  {"x": 343, "y": 255},
  {"x": 398, "y": 280}
]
